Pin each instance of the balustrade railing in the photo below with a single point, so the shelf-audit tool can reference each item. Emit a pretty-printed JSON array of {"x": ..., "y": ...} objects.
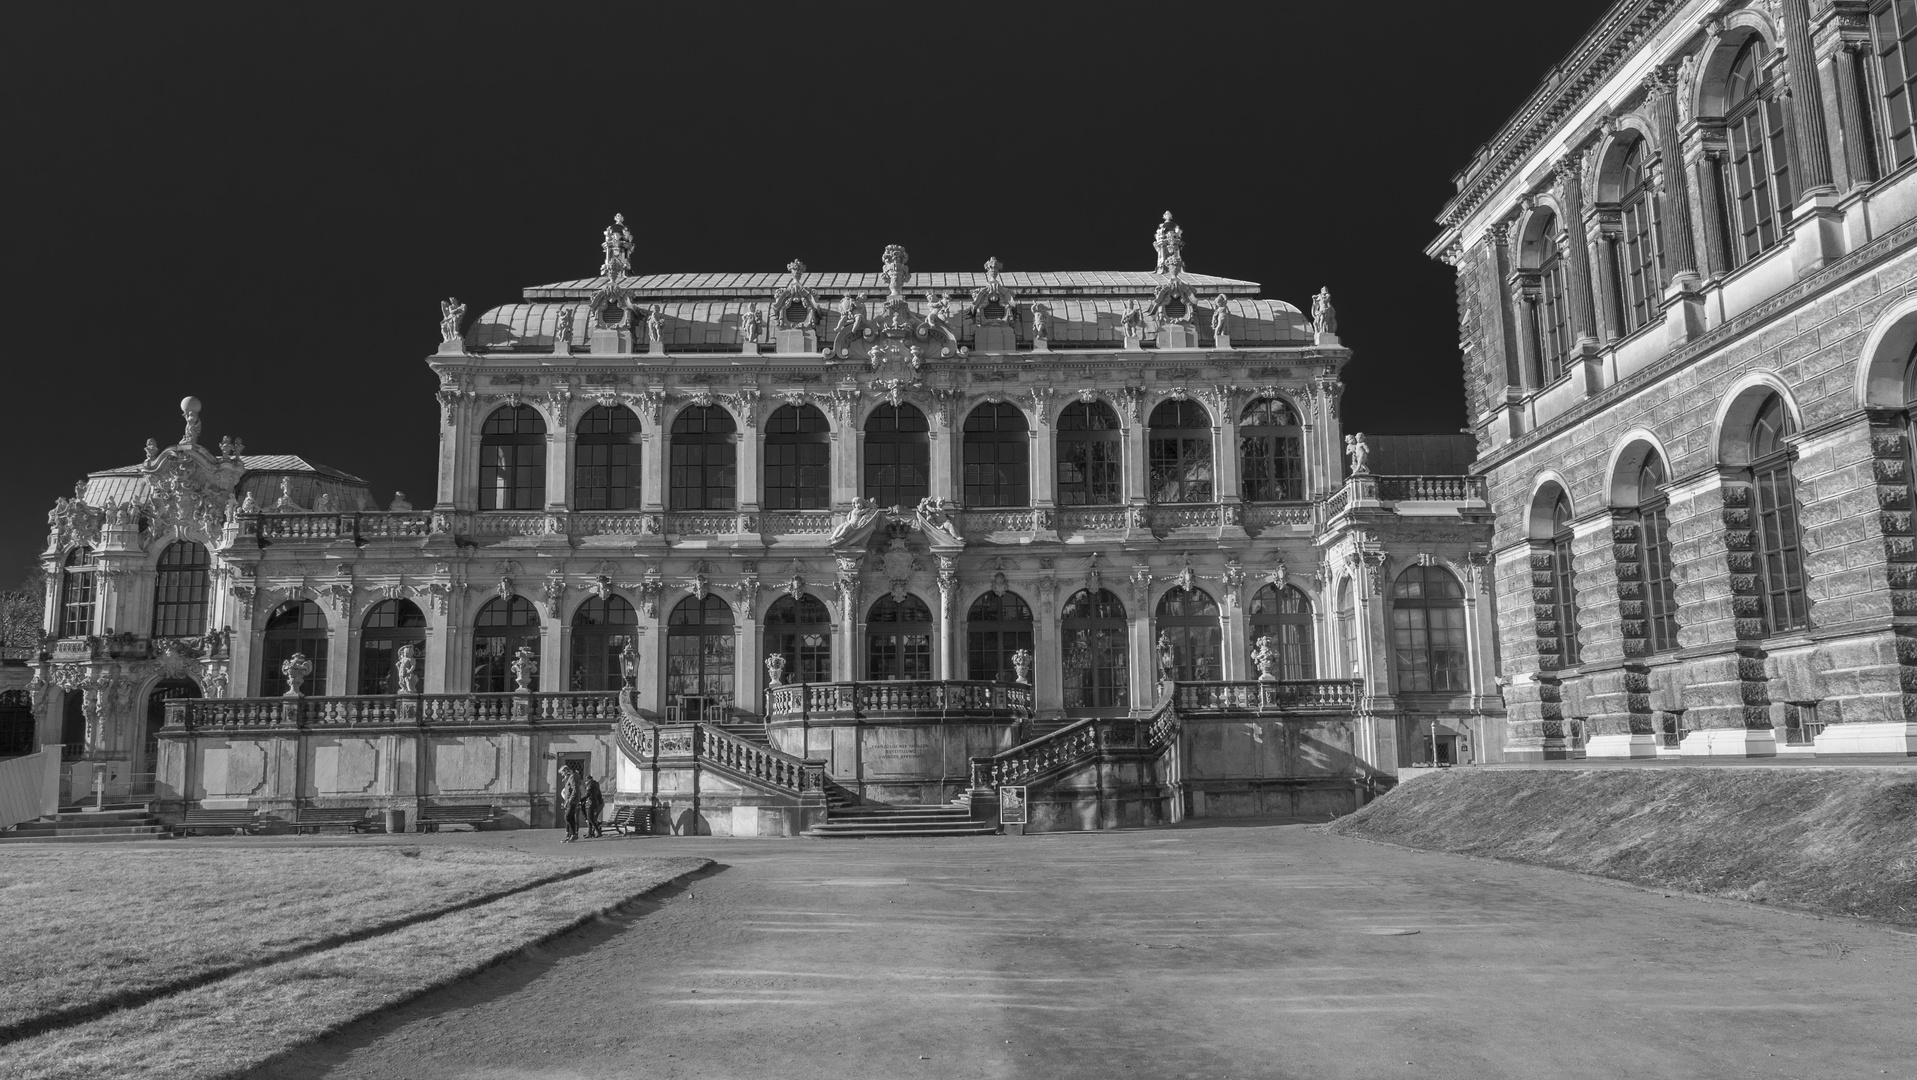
[
  {"x": 1094, "y": 518},
  {"x": 1197, "y": 698},
  {"x": 647, "y": 743},
  {"x": 900, "y": 700},
  {"x": 373, "y": 710},
  {"x": 982, "y": 522},
  {"x": 1265, "y": 515},
  {"x": 1076, "y": 743},
  {"x": 1431, "y": 488},
  {"x": 799, "y": 522}
]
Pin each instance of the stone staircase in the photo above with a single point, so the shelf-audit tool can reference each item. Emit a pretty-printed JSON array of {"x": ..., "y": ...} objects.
[
  {"x": 72, "y": 825},
  {"x": 753, "y": 731},
  {"x": 875, "y": 821}
]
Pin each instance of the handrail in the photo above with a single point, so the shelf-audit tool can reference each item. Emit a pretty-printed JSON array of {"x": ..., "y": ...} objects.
[
  {"x": 1077, "y": 743},
  {"x": 901, "y": 699},
  {"x": 644, "y": 743},
  {"x": 1240, "y": 696}
]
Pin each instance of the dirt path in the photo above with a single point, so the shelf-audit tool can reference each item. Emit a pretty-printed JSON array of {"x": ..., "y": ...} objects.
[{"x": 1203, "y": 952}]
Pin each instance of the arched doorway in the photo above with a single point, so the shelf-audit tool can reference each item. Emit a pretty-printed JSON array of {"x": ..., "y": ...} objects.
[
  {"x": 600, "y": 630},
  {"x": 799, "y": 628},
  {"x": 700, "y": 664},
  {"x": 1095, "y": 673},
  {"x": 899, "y": 639},
  {"x": 998, "y": 625},
  {"x": 1188, "y": 622}
]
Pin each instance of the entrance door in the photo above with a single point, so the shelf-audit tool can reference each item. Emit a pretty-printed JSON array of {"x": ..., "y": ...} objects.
[{"x": 581, "y": 765}]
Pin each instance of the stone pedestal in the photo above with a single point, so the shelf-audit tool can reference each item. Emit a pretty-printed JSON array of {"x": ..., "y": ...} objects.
[
  {"x": 1817, "y": 233},
  {"x": 611, "y": 342},
  {"x": 751, "y": 348},
  {"x": 1729, "y": 742},
  {"x": 455, "y": 347},
  {"x": 995, "y": 338},
  {"x": 1177, "y": 336},
  {"x": 1621, "y": 746},
  {"x": 799, "y": 341},
  {"x": 1683, "y": 309},
  {"x": 1326, "y": 339},
  {"x": 1895, "y": 738},
  {"x": 1221, "y": 341},
  {"x": 655, "y": 347}
]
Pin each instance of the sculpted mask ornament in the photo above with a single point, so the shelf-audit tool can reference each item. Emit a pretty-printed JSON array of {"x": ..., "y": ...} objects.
[{"x": 794, "y": 305}]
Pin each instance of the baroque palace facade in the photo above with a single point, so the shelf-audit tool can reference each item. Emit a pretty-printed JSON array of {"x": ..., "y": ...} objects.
[
  {"x": 1685, "y": 288},
  {"x": 758, "y": 546}
]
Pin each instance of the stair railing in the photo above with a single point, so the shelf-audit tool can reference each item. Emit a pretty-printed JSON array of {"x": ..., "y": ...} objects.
[
  {"x": 1078, "y": 743},
  {"x": 704, "y": 744}
]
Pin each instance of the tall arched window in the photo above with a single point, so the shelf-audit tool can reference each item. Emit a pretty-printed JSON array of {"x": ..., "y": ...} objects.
[
  {"x": 898, "y": 638},
  {"x": 605, "y": 471},
  {"x": 1779, "y": 545},
  {"x": 704, "y": 460},
  {"x": 1188, "y": 622},
  {"x": 1755, "y": 173},
  {"x": 700, "y": 659},
  {"x": 499, "y": 630},
  {"x": 390, "y": 626},
  {"x": 77, "y": 597},
  {"x": 180, "y": 591},
  {"x": 512, "y": 459},
  {"x": 1895, "y": 28},
  {"x": 1093, "y": 659},
  {"x": 297, "y": 626},
  {"x": 1564, "y": 597},
  {"x": 1427, "y": 631},
  {"x": 798, "y": 459},
  {"x": 998, "y": 625},
  {"x": 997, "y": 456},
  {"x": 898, "y": 456},
  {"x": 1654, "y": 556},
  {"x": 799, "y": 628},
  {"x": 1348, "y": 628},
  {"x": 1180, "y": 451},
  {"x": 601, "y": 628},
  {"x": 1091, "y": 448},
  {"x": 1284, "y": 616},
  {"x": 1555, "y": 336},
  {"x": 1641, "y": 254},
  {"x": 1271, "y": 452}
]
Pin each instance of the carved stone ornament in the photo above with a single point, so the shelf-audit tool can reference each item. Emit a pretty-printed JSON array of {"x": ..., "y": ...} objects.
[
  {"x": 617, "y": 249},
  {"x": 898, "y": 565},
  {"x": 1266, "y": 658},
  {"x": 554, "y": 592},
  {"x": 295, "y": 670},
  {"x": 794, "y": 306},
  {"x": 1168, "y": 243},
  {"x": 524, "y": 666},
  {"x": 1324, "y": 317},
  {"x": 993, "y": 303},
  {"x": 775, "y": 669},
  {"x": 451, "y": 312},
  {"x": 406, "y": 669}
]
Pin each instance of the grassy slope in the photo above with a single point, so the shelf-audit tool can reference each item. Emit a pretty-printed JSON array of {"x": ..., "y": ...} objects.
[
  {"x": 79, "y": 925},
  {"x": 1836, "y": 840}
]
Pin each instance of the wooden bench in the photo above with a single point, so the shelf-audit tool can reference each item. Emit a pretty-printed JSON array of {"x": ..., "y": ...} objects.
[
  {"x": 238, "y": 822},
  {"x": 432, "y": 817},
  {"x": 351, "y": 818},
  {"x": 632, "y": 821}
]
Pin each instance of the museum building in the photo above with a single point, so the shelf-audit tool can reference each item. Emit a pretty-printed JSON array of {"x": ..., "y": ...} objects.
[
  {"x": 1684, "y": 279},
  {"x": 759, "y": 547}
]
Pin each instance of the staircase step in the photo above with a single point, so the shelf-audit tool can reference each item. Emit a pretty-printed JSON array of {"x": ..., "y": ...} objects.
[
  {"x": 828, "y": 831},
  {"x": 83, "y": 836}
]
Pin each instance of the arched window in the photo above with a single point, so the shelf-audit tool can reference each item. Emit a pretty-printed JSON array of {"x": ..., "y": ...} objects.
[
  {"x": 1271, "y": 452},
  {"x": 798, "y": 459},
  {"x": 1755, "y": 173},
  {"x": 601, "y": 628},
  {"x": 297, "y": 626},
  {"x": 77, "y": 597},
  {"x": 1091, "y": 446},
  {"x": 898, "y": 639},
  {"x": 1180, "y": 451},
  {"x": 1895, "y": 27},
  {"x": 1564, "y": 597},
  {"x": 1348, "y": 628},
  {"x": 898, "y": 456},
  {"x": 1555, "y": 336},
  {"x": 799, "y": 628},
  {"x": 499, "y": 630},
  {"x": 997, "y": 452},
  {"x": 1093, "y": 659},
  {"x": 1779, "y": 546},
  {"x": 388, "y": 627},
  {"x": 1641, "y": 255},
  {"x": 1654, "y": 556},
  {"x": 998, "y": 625},
  {"x": 512, "y": 459},
  {"x": 700, "y": 659},
  {"x": 704, "y": 460},
  {"x": 179, "y": 591},
  {"x": 164, "y": 691},
  {"x": 1188, "y": 622},
  {"x": 1427, "y": 631},
  {"x": 1284, "y": 616},
  {"x": 605, "y": 471}
]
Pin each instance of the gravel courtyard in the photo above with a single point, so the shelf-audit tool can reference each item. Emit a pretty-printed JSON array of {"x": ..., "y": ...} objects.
[{"x": 1261, "y": 950}]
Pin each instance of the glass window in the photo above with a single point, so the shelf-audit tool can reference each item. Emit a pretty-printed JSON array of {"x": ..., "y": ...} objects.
[
  {"x": 1188, "y": 624},
  {"x": 1895, "y": 28},
  {"x": 1640, "y": 284},
  {"x": 1654, "y": 557},
  {"x": 1180, "y": 451},
  {"x": 899, "y": 639},
  {"x": 1284, "y": 616},
  {"x": 898, "y": 457},
  {"x": 1271, "y": 452},
  {"x": 388, "y": 627},
  {"x": 1348, "y": 628},
  {"x": 180, "y": 591},
  {"x": 704, "y": 460},
  {"x": 512, "y": 459},
  {"x": 1564, "y": 599},
  {"x": 1779, "y": 546},
  {"x": 996, "y": 627},
  {"x": 1556, "y": 339},
  {"x": 798, "y": 459},
  {"x": 17, "y": 723},
  {"x": 1427, "y": 631},
  {"x": 1091, "y": 446},
  {"x": 499, "y": 630},
  {"x": 700, "y": 659},
  {"x": 77, "y": 593},
  {"x": 297, "y": 626},
  {"x": 73, "y": 726},
  {"x": 800, "y": 629},
  {"x": 997, "y": 452},
  {"x": 601, "y": 629},
  {"x": 1756, "y": 171},
  {"x": 1093, "y": 657},
  {"x": 605, "y": 472}
]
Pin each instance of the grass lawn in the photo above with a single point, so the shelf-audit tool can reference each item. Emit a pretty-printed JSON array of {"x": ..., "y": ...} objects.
[
  {"x": 89, "y": 927},
  {"x": 1842, "y": 841}
]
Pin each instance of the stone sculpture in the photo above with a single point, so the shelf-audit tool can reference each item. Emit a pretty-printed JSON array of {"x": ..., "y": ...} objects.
[
  {"x": 1168, "y": 243},
  {"x": 617, "y": 247},
  {"x": 1263, "y": 655},
  {"x": 399, "y": 502},
  {"x": 1359, "y": 453},
  {"x": 190, "y": 412},
  {"x": 1041, "y": 321},
  {"x": 1220, "y": 316},
  {"x": 524, "y": 667},
  {"x": 775, "y": 669},
  {"x": 750, "y": 324},
  {"x": 406, "y": 670},
  {"x": 656, "y": 324},
  {"x": 295, "y": 669},
  {"x": 1022, "y": 665},
  {"x": 1324, "y": 317},
  {"x": 1167, "y": 657},
  {"x": 451, "y": 311},
  {"x": 1132, "y": 322}
]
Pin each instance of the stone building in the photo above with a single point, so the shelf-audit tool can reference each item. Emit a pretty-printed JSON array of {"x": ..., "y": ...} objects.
[
  {"x": 756, "y": 545},
  {"x": 1684, "y": 276}
]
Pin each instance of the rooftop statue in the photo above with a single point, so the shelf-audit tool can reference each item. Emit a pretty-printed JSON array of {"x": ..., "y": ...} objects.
[
  {"x": 896, "y": 273},
  {"x": 993, "y": 292},
  {"x": 1169, "y": 243},
  {"x": 1324, "y": 318},
  {"x": 1220, "y": 316},
  {"x": 190, "y": 412},
  {"x": 751, "y": 322},
  {"x": 1132, "y": 322},
  {"x": 451, "y": 311},
  {"x": 618, "y": 249},
  {"x": 1359, "y": 453}
]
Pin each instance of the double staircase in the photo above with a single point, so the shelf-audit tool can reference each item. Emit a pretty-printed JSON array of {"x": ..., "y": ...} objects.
[{"x": 72, "y": 825}]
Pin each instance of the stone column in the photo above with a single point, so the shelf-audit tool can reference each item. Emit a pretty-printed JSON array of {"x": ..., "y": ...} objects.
[
  {"x": 1044, "y": 464},
  {"x": 1234, "y": 644},
  {"x": 1144, "y": 658},
  {"x": 1843, "y": 69},
  {"x": 1048, "y": 683},
  {"x": 749, "y": 450},
  {"x": 1530, "y": 365},
  {"x": 1570, "y": 191},
  {"x": 947, "y": 664},
  {"x": 560, "y": 445},
  {"x": 1680, "y": 248},
  {"x": 655, "y": 447},
  {"x": 1702, "y": 153},
  {"x": 1224, "y": 449},
  {"x": 1606, "y": 228},
  {"x": 749, "y": 655},
  {"x": 944, "y": 458},
  {"x": 453, "y": 463},
  {"x": 342, "y": 661},
  {"x": 1807, "y": 107},
  {"x": 1137, "y": 471},
  {"x": 436, "y": 650},
  {"x": 850, "y": 621}
]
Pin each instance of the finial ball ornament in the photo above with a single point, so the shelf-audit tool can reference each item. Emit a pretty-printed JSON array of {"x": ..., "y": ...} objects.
[{"x": 189, "y": 405}]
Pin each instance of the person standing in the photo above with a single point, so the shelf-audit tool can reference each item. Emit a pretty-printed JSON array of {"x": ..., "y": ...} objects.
[
  {"x": 570, "y": 797},
  {"x": 595, "y": 802}
]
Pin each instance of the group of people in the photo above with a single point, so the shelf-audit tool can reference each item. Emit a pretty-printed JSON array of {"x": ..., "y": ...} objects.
[{"x": 580, "y": 796}]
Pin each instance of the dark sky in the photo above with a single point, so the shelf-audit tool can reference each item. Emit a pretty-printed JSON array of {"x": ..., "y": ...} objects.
[{"x": 263, "y": 207}]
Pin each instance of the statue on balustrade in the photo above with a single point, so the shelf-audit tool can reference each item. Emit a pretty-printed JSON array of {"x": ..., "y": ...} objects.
[
  {"x": 1266, "y": 658},
  {"x": 406, "y": 670},
  {"x": 1167, "y": 657},
  {"x": 1022, "y": 664},
  {"x": 775, "y": 669},
  {"x": 524, "y": 667},
  {"x": 629, "y": 666},
  {"x": 858, "y": 524},
  {"x": 296, "y": 668},
  {"x": 451, "y": 311},
  {"x": 1359, "y": 452}
]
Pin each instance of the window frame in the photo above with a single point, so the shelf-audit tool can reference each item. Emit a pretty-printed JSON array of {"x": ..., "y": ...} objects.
[
  {"x": 703, "y": 460},
  {"x": 1179, "y": 438},
  {"x": 600, "y": 629},
  {"x": 788, "y": 623},
  {"x": 1009, "y": 463},
  {"x": 307, "y": 633},
  {"x": 993, "y": 632},
  {"x": 1777, "y": 535},
  {"x": 898, "y": 455},
  {"x": 713, "y": 681},
  {"x": 521, "y": 483},
  {"x": 896, "y": 655},
  {"x": 1415, "y": 650},
  {"x": 1641, "y": 249},
  {"x": 182, "y": 591},
  {"x": 1271, "y": 457},
  {"x": 1564, "y": 597},
  {"x": 1102, "y": 623},
  {"x": 1284, "y": 614},
  {"x": 1094, "y": 451},
  {"x": 607, "y": 446},
  {"x": 79, "y": 592},
  {"x": 797, "y": 459},
  {"x": 517, "y": 623},
  {"x": 1754, "y": 172},
  {"x": 387, "y": 627},
  {"x": 1191, "y": 620}
]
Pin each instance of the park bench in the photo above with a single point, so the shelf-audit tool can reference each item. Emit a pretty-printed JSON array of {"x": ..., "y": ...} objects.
[
  {"x": 351, "y": 818},
  {"x": 632, "y": 821},
  {"x": 432, "y": 817},
  {"x": 238, "y": 822}
]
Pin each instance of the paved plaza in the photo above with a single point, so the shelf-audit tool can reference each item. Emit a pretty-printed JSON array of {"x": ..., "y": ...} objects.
[{"x": 1262, "y": 950}]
